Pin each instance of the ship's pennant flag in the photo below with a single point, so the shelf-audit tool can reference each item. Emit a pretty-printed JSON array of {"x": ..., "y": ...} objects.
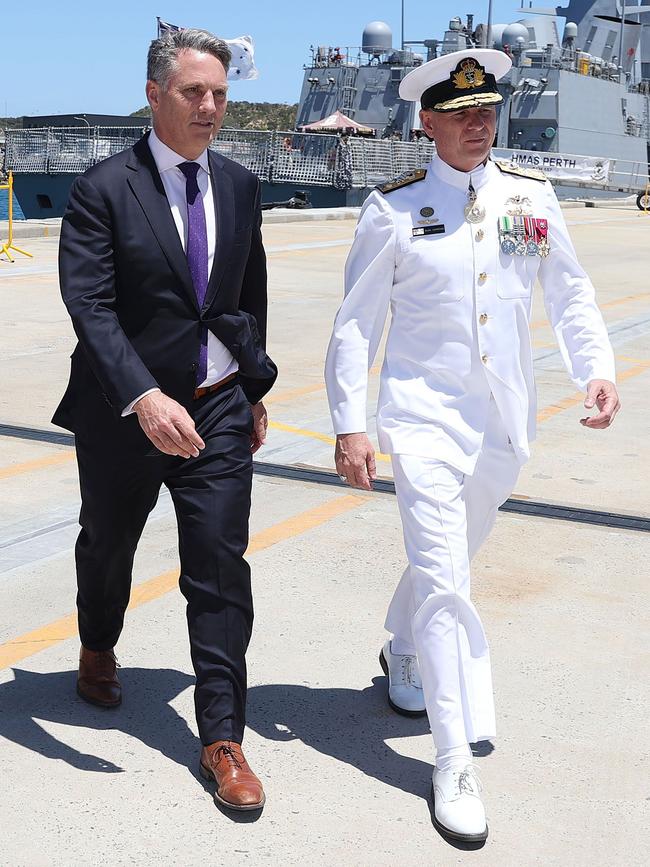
[{"x": 242, "y": 66}]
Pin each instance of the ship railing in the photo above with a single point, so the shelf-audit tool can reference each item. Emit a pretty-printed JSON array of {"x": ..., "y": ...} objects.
[
  {"x": 375, "y": 161},
  {"x": 312, "y": 159},
  {"x": 324, "y": 56},
  {"x": 254, "y": 149},
  {"x": 65, "y": 150}
]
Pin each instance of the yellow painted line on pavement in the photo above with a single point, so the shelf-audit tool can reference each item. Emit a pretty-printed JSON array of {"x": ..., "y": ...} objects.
[
  {"x": 637, "y": 369},
  {"x": 301, "y": 390},
  {"x": 632, "y": 360},
  {"x": 20, "y": 648},
  {"x": 315, "y": 435},
  {"x": 626, "y": 299},
  {"x": 578, "y": 397},
  {"x": 290, "y": 393},
  {"x": 560, "y": 406},
  {"x": 36, "y": 464},
  {"x": 312, "y": 434},
  {"x": 606, "y": 305}
]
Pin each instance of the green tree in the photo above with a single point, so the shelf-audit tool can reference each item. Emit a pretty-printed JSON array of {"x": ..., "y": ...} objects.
[{"x": 251, "y": 115}]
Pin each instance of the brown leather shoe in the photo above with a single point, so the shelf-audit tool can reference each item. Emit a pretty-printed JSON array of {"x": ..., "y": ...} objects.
[
  {"x": 237, "y": 786},
  {"x": 97, "y": 681}
]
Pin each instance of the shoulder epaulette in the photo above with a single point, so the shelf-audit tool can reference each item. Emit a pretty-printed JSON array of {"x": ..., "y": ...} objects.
[
  {"x": 402, "y": 181},
  {"x": 510, "y": 169}
]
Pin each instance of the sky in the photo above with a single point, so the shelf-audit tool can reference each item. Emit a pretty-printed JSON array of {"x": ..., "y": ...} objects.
[{"x": 72, "y": 56}]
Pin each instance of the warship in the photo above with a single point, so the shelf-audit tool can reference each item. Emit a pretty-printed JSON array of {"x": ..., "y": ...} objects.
[{"x": 576, "y": 105}]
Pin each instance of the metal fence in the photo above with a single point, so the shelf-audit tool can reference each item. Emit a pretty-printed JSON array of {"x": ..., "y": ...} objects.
[
  {"x": 311, "y": 159},
  {"x": 59, "y": 150},
  {"x": 250, "y": 148}
]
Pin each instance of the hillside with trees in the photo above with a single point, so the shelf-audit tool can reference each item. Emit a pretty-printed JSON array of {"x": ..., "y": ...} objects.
[{"x": 251, "y": 115}]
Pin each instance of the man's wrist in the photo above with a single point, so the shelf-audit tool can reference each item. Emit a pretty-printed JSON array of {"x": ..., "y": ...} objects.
[{"x": 132, "y": 406}]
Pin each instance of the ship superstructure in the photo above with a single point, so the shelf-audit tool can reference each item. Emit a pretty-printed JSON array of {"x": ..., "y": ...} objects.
[
  {"x": 576, "y": 104},
  {"x": 567, "y": 92}
]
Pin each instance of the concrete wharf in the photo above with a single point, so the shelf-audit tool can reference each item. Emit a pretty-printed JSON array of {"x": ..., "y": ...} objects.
[{"x": 565, "y": 604}]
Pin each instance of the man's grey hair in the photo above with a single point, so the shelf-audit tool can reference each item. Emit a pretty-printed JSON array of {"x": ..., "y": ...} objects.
[{"x": 164, "y": 51}]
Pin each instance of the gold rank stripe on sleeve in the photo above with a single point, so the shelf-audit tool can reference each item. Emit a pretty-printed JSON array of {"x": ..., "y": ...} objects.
[
  {"x": 402, "y": 181},
  {"x": 519, "y": 171}
]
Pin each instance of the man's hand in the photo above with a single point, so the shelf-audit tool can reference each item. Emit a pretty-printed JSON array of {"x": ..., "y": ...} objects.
[
  {"x": 261, "y": 423},
  {"x": 355, "y": 460},
  {"x": 601, "y": 393},
  {"x": 168, "y": 425}
]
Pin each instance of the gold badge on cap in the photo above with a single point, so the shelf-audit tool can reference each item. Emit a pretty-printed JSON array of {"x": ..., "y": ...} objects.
[{"x": 470, "y": 74}]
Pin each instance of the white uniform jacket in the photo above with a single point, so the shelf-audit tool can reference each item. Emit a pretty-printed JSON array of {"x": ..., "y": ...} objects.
[{"x": 460, "y": 310}]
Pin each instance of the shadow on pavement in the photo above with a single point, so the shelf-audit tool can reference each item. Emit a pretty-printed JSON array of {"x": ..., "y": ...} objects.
[
  {"x": 349, "y": 725},
  {"x": 145, "y": 714}
]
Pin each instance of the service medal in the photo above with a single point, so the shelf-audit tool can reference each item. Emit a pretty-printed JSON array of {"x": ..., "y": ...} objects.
[
  {"x": 506, "y": 240},
  {"x": 532, "y": 248},
  {"x": 519, "y": 233},
  {"x": 541, "y": 237}
]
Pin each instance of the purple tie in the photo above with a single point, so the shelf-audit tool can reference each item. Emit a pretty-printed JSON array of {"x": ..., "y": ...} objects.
[{"x": 197, "y": 253}]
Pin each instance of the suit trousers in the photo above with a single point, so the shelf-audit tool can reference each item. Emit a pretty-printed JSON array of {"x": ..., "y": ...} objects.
[
  {"x": 211, "y": 496},
  {"x": 446, "y": 516}
]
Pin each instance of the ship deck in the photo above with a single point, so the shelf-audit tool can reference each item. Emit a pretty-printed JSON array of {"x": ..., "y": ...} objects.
[{"x": 564, "y": 603}]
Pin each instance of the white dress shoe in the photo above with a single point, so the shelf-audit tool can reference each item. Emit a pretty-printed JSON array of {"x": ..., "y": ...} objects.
[
  {"x": 457, "y": 806},
  {"x": 404, "y": 685}
]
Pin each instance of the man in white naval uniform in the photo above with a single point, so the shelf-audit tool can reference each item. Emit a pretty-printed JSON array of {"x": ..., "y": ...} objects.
[{"x": 454, "y": 252}]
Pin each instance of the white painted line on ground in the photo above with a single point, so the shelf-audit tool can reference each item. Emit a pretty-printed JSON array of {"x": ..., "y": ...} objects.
[
  {"x": 626, "y": 219},
  {"x": 31, "y": 272},
  {"x": 313, "y": 246}
]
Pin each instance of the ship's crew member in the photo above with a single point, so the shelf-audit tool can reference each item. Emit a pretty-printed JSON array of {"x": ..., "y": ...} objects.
[
  {"x": 454, "y": 251},
  {"x": 163, "y": 273}
]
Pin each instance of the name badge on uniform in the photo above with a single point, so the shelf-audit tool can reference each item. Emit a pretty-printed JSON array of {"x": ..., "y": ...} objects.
[{"x": 428, "y": 230}]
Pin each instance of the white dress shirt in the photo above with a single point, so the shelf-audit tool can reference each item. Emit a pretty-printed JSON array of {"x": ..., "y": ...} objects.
[
  {"x": 460, "y": 309},
  {"x": 220, "y": 361}
]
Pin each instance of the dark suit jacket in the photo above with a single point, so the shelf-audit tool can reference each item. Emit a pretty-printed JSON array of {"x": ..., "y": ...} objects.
[{"x": 126, "y": 284}]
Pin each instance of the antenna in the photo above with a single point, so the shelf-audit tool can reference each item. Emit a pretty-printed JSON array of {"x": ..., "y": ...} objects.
[{"x": 488, "y": 29}]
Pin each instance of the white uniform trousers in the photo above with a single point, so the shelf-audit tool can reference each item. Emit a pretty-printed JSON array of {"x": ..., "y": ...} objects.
[{"x": 446, "y": 516}]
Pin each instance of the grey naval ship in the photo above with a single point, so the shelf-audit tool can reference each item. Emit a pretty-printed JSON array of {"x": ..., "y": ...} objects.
[{"x": 576, "y": 105}]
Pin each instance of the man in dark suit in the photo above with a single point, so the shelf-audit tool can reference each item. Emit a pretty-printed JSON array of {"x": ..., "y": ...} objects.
[{"x": 163, "y": 273}]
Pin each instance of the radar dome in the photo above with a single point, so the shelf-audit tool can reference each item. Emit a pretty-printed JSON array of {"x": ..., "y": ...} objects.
[
  {"x": 377, "y": 38},
  {"x": 570, "y": 30},
  {"x": 512, "y": 32}
]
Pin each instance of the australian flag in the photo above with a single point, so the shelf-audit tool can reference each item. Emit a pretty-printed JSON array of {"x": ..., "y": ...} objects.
[{"x": 164, "y": 27}]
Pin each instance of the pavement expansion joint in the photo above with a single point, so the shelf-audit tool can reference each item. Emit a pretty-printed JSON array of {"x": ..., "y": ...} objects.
[{"x": 518, "y": 506}]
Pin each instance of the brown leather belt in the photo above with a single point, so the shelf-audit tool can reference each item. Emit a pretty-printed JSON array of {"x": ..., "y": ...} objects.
[{"x": 208, "y": 389}]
